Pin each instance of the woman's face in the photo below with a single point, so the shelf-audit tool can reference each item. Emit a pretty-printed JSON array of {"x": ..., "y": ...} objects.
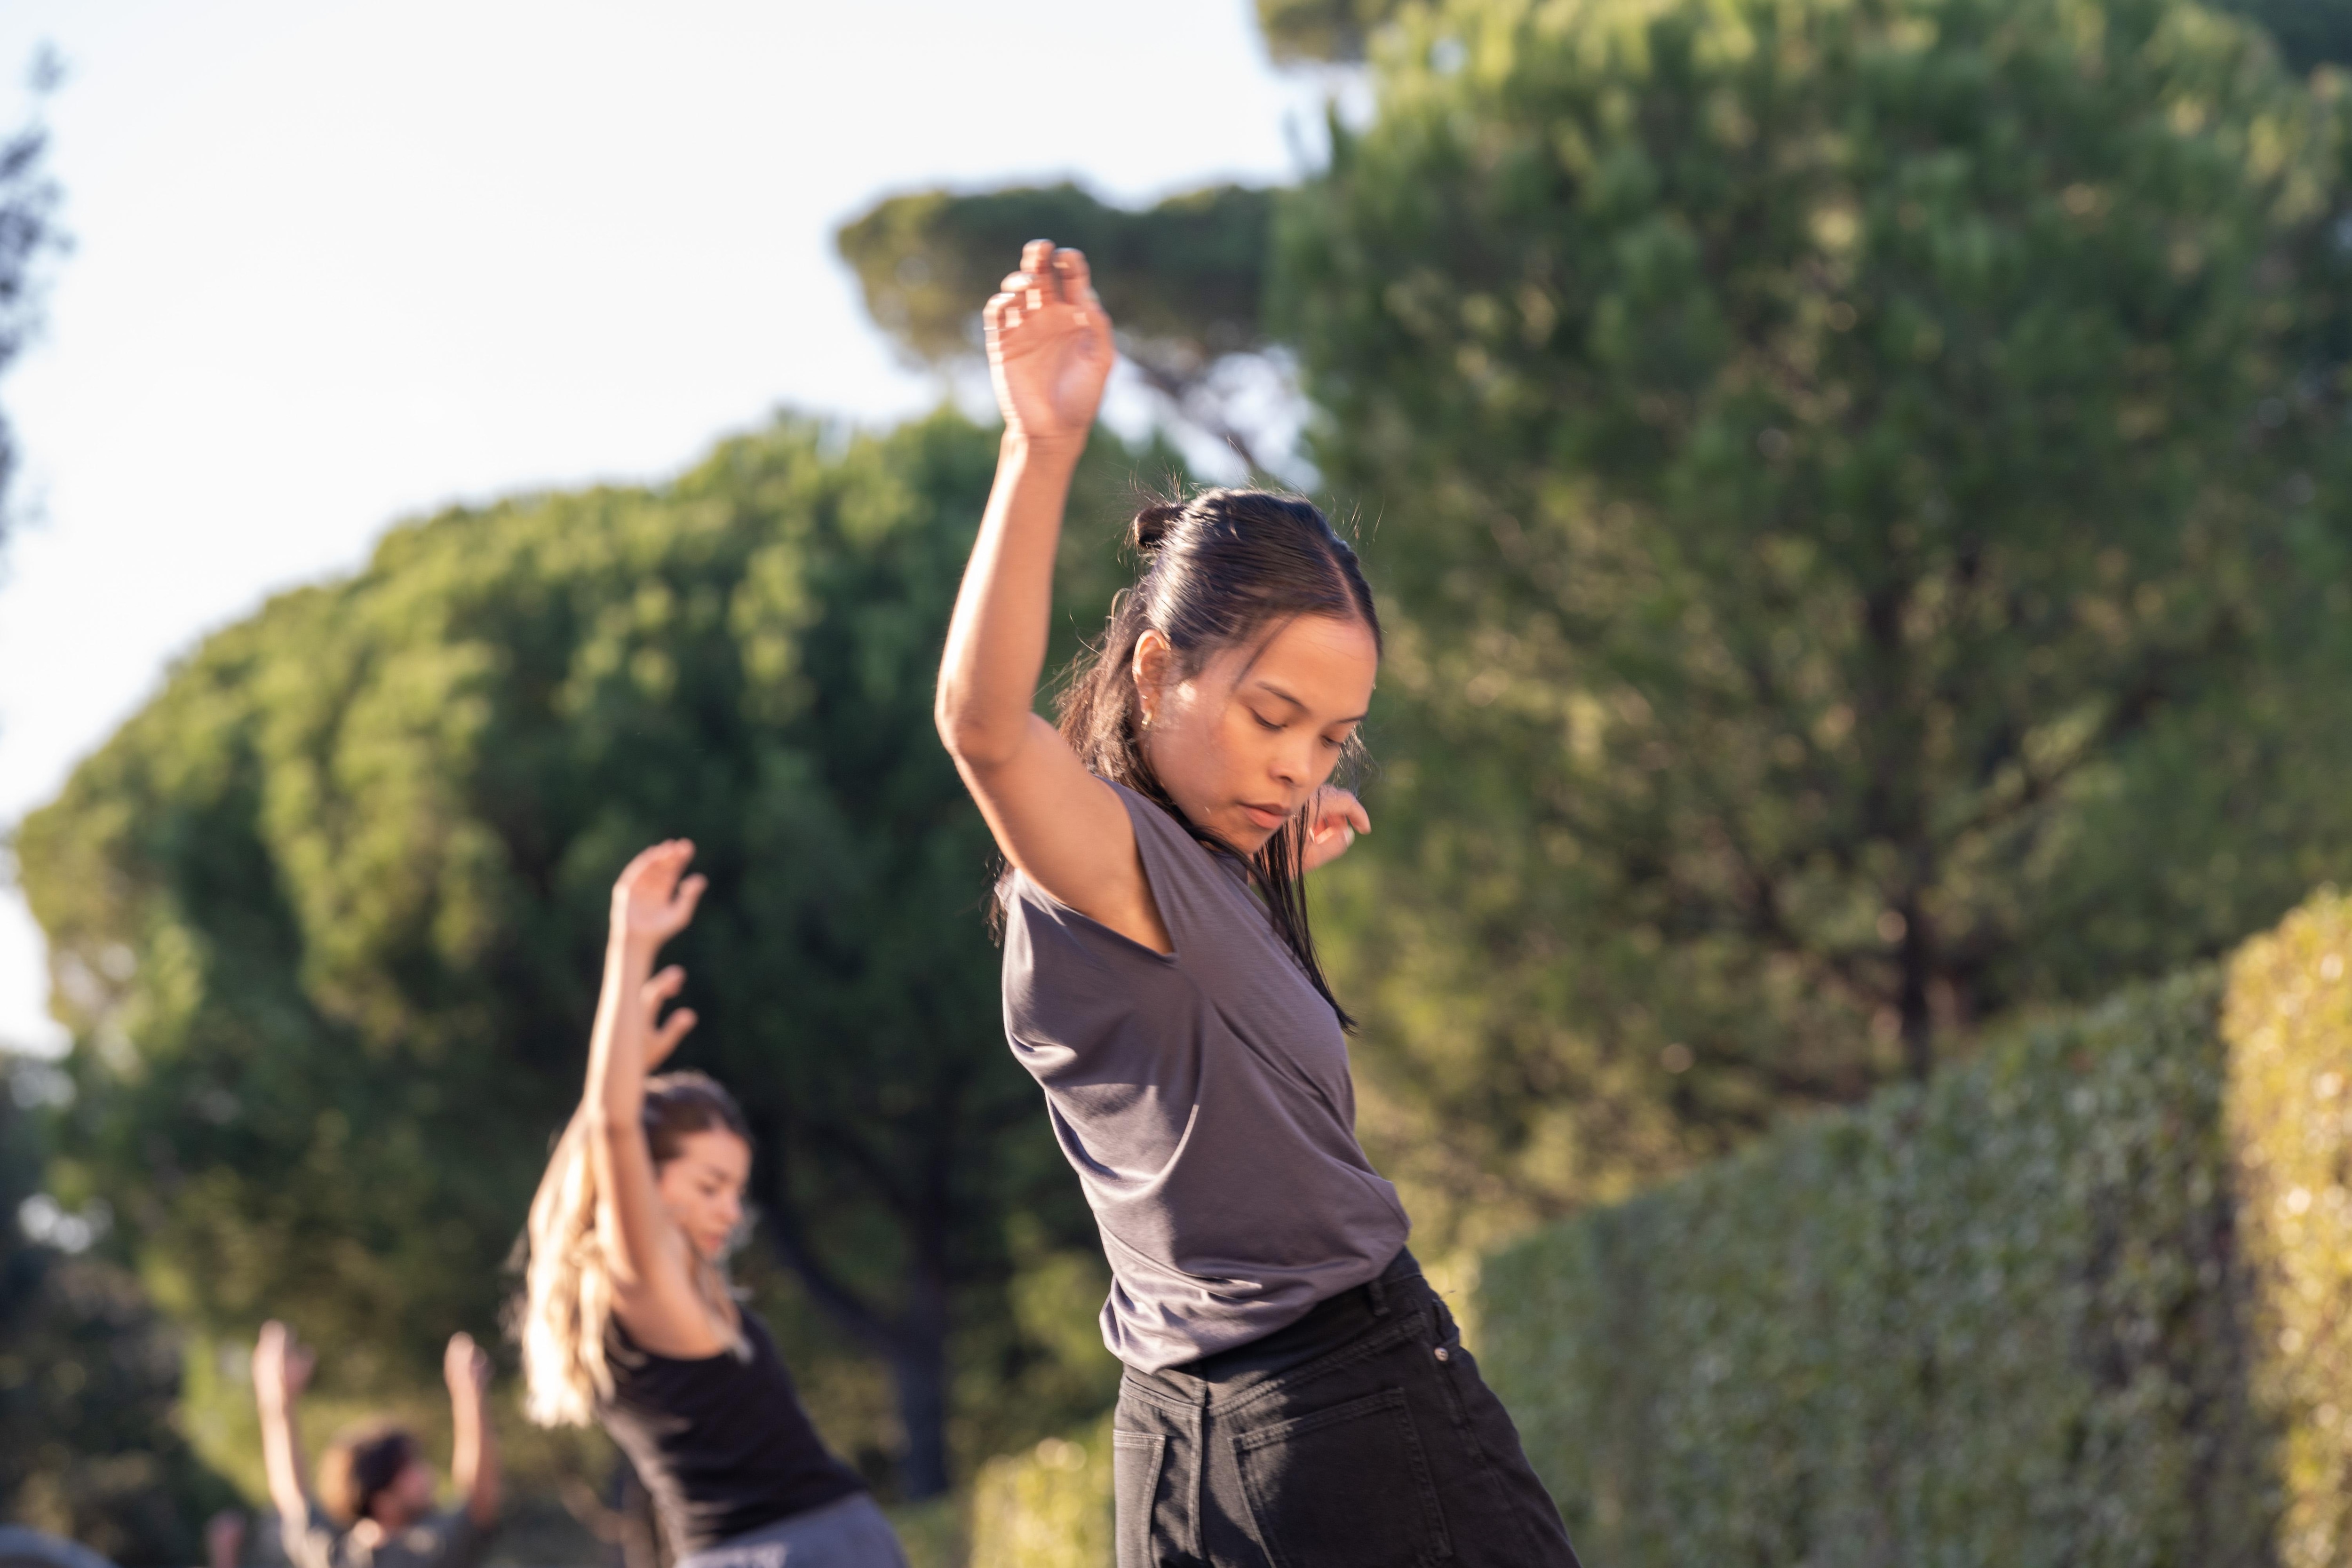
[
  {"x": 702, "y": 1187},
  {"x": 1243, "y": 744}
]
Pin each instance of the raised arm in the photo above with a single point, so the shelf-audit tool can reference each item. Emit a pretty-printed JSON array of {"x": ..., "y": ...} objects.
[
  {"x": 474, "y": 1456},
  {"x": 281, "y": 1371},
  {"x": 652, "y": 1270},
  {"x": 1049, "y": 351}
]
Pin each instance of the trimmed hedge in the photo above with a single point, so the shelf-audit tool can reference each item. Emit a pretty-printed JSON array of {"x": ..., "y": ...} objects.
[{"x": 2083, "y": 1300}]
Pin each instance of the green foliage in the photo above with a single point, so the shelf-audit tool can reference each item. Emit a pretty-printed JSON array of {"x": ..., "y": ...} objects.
[
  {"x": 2288, "y": 1025},
  {"x": 1838, "y": 475},
  {"x": 326, "y": 919},
  {"x": 2074, "y": 1302},
  {"x": 89, "y": 1375},
  {"x": 1183, "y": 279},
  {"x": 1048, "y": 1508},
  {"x": 2308, "y": 33},
  {"x": 1329, "y": 30}
]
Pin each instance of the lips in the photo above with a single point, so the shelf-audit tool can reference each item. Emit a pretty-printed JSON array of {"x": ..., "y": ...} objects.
[{"x": 1265, "y": 817}]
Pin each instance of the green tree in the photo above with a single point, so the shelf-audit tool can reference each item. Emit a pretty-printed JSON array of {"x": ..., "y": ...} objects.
[
  {"x": 1183, "y": 279},
  {"x": 326, "y": 915},
  {"x": 29, "y": 236},
  {"x": 1838, "y": 470},
  {"x": 1332, "y": 31},
  {"x": 87, "y": 1370}
]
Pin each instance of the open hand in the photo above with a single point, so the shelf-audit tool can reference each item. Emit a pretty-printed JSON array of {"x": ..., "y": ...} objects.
[
  {"x": 1049, "y": 346},
  {"x": 281, "y": 1366},
  {"x": 465, "y": 1367},
  {"x": 1332, "y": 823},
  {"x": 654, "y": 899}
]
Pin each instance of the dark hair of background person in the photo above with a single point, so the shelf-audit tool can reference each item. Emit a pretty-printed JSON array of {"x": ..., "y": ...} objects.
[
  {"x": 1211, "y": 572},
  {"x": 361, "y": 1463},
  {"x": 680, "y": 1104}
]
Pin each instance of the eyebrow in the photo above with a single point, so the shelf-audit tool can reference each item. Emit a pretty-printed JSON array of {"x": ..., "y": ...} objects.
[{"x": 1269, "y": 686}]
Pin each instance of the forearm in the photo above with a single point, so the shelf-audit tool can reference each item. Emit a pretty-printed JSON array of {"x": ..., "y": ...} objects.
[
  {"x": 282, "y": 1461},
  {"x": 474, "y": 1459},
  {"x": 616, "y": 1051},
  {"x": 996, "y": 640}
]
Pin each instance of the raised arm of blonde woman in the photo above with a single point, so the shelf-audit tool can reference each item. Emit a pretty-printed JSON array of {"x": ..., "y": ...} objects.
[{"x": 651, "y": 1262}]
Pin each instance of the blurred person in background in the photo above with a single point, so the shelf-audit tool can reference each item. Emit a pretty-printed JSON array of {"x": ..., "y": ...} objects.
[
  {"x": 225, "y": 1539},
  {"x": 628, "y": 1315},
  {"x": 1295, "y": 1391},
  {"x": 374, "y": 1482}
]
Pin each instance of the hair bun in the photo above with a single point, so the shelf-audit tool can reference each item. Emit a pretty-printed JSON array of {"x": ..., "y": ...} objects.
[{"x": 1151, "y": 525}]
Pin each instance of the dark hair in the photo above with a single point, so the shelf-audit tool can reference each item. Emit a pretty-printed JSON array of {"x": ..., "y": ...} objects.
[
  {"x": 359, "y": 1464},
  {"x": 680, "y": 1104},
  {"x": 1211, "y": 573}
]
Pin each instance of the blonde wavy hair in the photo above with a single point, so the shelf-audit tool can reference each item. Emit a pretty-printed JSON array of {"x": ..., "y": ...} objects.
[{"x": 564, "y": 1314}]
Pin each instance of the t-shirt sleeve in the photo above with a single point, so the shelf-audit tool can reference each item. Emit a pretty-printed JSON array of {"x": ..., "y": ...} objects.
[{"x": 310, "y": 1540}]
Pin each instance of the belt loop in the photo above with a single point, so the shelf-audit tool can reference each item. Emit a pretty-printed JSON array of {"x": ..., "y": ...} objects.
[{"x": 1380, "y": 1295}]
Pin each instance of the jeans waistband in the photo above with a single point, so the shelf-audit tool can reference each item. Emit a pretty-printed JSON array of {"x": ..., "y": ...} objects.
[{"x": 1322, "y": 1328}]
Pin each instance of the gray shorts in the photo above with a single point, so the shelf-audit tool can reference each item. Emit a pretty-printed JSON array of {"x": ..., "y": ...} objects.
[{"x": 851, "y": 1533}]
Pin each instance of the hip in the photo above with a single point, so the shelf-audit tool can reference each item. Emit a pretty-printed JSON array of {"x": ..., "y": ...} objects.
[
  {"x": 1363, "y": 1433},
  {"x": 849, "y": 1532}
]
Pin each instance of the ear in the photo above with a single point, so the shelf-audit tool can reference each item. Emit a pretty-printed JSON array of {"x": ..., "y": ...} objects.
[{"x": 1153, "y": 663}]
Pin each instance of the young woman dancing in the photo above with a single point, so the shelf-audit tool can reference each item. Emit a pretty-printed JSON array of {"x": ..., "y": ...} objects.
[
  {"x": 628, "y": 1315},
  {"x": 1295, "y": 1392}
]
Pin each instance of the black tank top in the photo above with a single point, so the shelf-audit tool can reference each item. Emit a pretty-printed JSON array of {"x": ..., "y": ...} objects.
[{"x": 724, "y": 1445}]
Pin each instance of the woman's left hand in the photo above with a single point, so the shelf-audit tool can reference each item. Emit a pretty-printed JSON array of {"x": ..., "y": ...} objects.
[{"x": 1332, "y": 823}]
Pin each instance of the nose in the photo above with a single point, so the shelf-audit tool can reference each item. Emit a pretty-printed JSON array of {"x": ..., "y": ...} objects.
[{"x": 1294, "y": 764}]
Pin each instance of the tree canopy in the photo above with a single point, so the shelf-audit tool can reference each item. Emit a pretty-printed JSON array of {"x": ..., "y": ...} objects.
[
  {"x": 327, "y": 913},
  {"x": 1183, "y": 278},
  {"x": 1832, "y": 461}
]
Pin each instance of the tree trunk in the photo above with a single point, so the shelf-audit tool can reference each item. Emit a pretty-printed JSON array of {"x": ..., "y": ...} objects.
[{"x": 919, "y": 1372}]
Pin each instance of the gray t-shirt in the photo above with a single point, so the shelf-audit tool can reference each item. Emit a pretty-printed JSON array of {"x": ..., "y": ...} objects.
[
  {"x": 439, "y": 1541},
  {"x": 1204, "y": 1098}
]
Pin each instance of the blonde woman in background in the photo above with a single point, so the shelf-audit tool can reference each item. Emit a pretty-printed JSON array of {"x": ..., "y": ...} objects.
[{"x": 628, "y": 1315}]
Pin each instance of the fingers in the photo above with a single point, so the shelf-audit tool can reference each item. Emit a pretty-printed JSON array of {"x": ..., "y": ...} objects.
[
  {"x": 1078, "y": 280},
  {"x": 663, "y": 986},
  {"x": 1037, "y": 261},
  {"x": 673, "y": 1030},
  {"x": 690, "y": 895},
  {"x": 1339, "y": 811}
]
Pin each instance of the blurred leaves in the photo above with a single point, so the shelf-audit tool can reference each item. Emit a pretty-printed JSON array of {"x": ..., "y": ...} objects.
[
  {"x": 1332, "y": 31},
  {"x": 2071, "y": 1303},
  {"x": 1181, "y": 279},
  {"x": 90, "y": 1447},
  {"x": 327, "y": 914},
  {"x": 1851, "y": 481},
  {"x": 29, "y": 236}
]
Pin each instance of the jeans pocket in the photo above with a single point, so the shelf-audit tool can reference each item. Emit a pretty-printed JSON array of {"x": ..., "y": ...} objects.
[
  {"x": 1350, "y": 1485},
  {"x": 1136, "y": 1458}
]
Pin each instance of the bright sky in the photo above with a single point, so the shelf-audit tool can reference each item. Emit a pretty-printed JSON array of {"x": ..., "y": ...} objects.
[{"x": 338, "y": 262}]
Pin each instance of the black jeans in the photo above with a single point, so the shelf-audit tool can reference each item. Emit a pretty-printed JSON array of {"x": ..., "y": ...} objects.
[{"x": 1360, "y": 1436}]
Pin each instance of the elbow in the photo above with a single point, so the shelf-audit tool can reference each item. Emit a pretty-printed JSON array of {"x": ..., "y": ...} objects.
[{"x": 977, "y": 741}]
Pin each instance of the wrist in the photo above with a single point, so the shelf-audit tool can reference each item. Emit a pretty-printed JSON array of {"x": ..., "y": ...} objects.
[{"x": 1041, "y": 451}]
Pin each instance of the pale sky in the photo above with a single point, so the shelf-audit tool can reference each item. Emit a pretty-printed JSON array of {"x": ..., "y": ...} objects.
[{"x": 338, "y": 262}]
